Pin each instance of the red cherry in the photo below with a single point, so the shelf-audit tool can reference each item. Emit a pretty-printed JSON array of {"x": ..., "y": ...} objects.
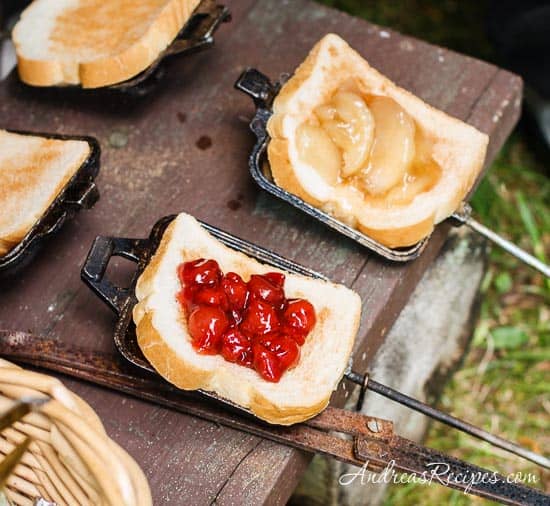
[
  {"x": 211, "y": 296},
  {"x": 277, "y": 278},
  {"x": 206, "y": 325},
  {"x": 260, "y": 318},
  {"x": 235, "y": 318},
  {"x": 180, "y": 296},
  {"x": 185, "y": 302},
  {"x": 285, "y": 349},
  {"x": 298, "y": 336},
  {"x": 251, "y": 324},
  {"x": 200, "y": 272},
  {"x": 236, "y": 347},
  {"x": 236, "y": 290},
  {"x": 266, "y": 363},
  {"x": 262, "y": 288},
  {"x": 299, "y": 318}
]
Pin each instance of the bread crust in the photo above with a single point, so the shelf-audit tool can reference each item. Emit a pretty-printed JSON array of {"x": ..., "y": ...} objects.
[
  {"x": 400, "y": 236},
  {"x": 460, "y": 148},
  {"x": 186, "y": 377},
  {"x": 38, "y": 155},
  {"x": 114, "y": 68},
  {"x": 182, "y": 373},
  {"x": 277, "y": 152}
]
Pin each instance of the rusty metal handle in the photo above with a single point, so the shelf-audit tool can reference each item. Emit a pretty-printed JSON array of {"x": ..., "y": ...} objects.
[
  {"x": 373, "y": 442},
  {"x": 436, "y": 467}
]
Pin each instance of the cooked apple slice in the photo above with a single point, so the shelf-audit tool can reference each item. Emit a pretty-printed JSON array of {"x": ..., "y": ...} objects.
[
  {"x": 393, "y": 148},
  {"x": 350, "y": 125},
  {"x": 318, "y": 151},
  {"x": 419, "y": 179}
]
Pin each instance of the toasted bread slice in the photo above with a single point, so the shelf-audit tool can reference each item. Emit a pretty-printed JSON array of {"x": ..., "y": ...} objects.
[
  {"x": 163, "y": 337},
  {"x": 33, "y": 171},
  {"x": 456, "y": 149},
  {"x": 94, "y": 43}
]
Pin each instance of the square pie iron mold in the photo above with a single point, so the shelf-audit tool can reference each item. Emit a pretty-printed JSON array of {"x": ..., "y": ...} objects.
[
  {"x": 123, "y": 300},
  {"x": 196, "y": 35},
  {"x": 263, "y": 91},
  {"x": 79, "y": 193}
]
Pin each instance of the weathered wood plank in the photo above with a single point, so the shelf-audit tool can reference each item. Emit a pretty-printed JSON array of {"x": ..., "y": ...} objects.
[{"x": 161, "y": 170}]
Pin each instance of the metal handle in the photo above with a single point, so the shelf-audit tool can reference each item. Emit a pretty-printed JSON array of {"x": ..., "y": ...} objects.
[
  {"x": 370, "y": 441},
  {"x": 463, "y": 217},
  {"x": 366, "y": 383},
  {"x": 258, "y": 86},
  {"x": 199, "y": 32},
  {"x": 95, "y": 266},
  {"x": 451, "y": 472}
]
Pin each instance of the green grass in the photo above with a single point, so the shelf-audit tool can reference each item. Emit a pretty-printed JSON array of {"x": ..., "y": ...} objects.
[{"x": 504, "y": 382}]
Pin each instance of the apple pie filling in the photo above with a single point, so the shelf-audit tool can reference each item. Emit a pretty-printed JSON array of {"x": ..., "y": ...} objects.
[{"x": 368, "y": 142}]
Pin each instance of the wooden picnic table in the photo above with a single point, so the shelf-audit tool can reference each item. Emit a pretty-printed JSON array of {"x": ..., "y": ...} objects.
[{"x": 157, "y": 160}]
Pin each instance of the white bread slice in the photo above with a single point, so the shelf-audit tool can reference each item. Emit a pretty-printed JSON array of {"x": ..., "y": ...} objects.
[
  {"x": 33, "y": 171},
  {"x": 459, "y": 149},
  {"x": 162, "y": 334},
  {"x": 94, "y": 42}
]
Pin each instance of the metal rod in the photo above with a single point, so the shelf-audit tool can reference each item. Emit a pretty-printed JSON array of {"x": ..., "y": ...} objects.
[
  {"x": 447, "y": 419},
  {"x": 510, "y": 247}
]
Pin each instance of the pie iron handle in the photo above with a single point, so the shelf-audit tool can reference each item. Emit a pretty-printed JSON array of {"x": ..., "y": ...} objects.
[
  {"x": 258, "y": 86},
  {"x": 94, "y": 268},
  {"x": 463, "y": 217},
  {"x": 432, "y": 466},
  {"x": 199, "y": 31}
]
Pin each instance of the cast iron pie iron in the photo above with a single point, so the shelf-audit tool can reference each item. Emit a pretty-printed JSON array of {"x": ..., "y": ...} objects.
[
  {"x": 122, "y": 301},
  {"x": 196, "y": 35},
  {"x": 370, "y": 441},
  {"x": 79, "y": 193},
  {"x": 263, "y": 91}
]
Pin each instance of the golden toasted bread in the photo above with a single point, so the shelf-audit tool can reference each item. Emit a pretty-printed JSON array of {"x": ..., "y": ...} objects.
[
  {"x": 94, "y": 43},
  {"x": 33, "y": 171}
]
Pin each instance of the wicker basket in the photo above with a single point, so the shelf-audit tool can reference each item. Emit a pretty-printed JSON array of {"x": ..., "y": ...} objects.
[{"x": 71, "y": 460}]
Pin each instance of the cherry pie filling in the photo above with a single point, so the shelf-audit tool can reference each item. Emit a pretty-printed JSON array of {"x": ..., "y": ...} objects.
[{"x": 252, "y": 323}]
